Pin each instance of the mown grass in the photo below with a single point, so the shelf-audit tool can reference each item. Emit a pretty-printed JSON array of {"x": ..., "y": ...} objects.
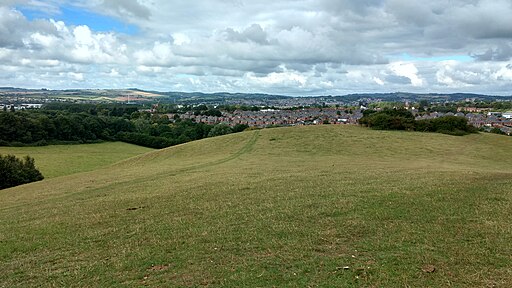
[
  {"x": 329, "y": 206},
  {"x": 59, "y": 160}
]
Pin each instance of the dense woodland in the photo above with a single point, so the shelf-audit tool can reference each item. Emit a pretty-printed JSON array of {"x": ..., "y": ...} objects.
[{"x": 79, "y": 123}]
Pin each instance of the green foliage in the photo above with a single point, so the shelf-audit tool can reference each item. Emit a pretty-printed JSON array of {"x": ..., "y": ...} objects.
[
  {"x": 423, "y": 104},
  {"x": 144, "y": 140},
  {"x": 445, "y": 108},
  {"x": 404, "y": 120},
  {"x": 496, "y": 130},
  {"x": 452, "y": 125},
  {"x": 63, "y": 123},
  {"x": 213, "y": 112},
  {"x": 239, "y": 128},
  {"x": 389, "y": 119},
  {"x": 219, "y": 130},
  {"x": 41, "y": 127},
  {"x": 185, "y": 130},
  {"x": 15, "y": 171},
  {"x": 494, "y": 105},
  {"x": 114, "y": 110}
]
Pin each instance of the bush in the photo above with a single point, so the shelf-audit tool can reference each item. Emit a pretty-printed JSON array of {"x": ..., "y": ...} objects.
[
  {"x": 219, "y": 130},
  {"x": 144, "y": 140},
  {"x": 497, "y": 131},
  {"x": 14, "y": 171},
  {"x": 388, "y": 120},
  {"x": 404, "y": 120},
  {"x": 239, "y": 128},
  {"x": 452, "y": 125}
]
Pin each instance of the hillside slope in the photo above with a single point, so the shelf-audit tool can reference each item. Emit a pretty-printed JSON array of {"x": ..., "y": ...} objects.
[
  {"x": 59, "y": 160},
  {"x": 307, "y": 206}
]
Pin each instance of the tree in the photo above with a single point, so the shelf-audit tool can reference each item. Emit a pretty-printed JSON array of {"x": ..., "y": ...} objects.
[
  {"x": 239, "y": 128},
  {"x": 14, "y": 171},
  {"x": 219, "y": 129},
  {"x": 388, "y": 119},
  {"x": 423, "y": 105},
  {"x": 497, "y": 131}
]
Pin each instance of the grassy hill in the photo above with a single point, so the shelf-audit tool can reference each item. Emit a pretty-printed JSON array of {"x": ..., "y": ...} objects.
[
  {"x": 323, "y": 206},
  {"x": 60, "y": 160}
]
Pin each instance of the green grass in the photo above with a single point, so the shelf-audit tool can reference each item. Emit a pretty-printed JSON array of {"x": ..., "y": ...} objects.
[
  {"x": 59, "y": 160},
  {"x": 284, "y": 207}
]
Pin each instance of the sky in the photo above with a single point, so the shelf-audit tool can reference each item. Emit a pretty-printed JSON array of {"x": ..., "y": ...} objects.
[{"x": 290, "y": 47}]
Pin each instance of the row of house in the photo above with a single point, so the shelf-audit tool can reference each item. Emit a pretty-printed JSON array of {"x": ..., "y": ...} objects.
[
  {"x": 486, "y": 121},
  {"x": 316, "y": 116},
  {"x": 19, "y": 106},
  {"x": 265, "y": 118}
]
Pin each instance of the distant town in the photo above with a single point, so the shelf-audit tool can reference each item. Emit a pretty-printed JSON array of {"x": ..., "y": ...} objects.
[
  {"x": 262, "y": 110},
  {"x": 484, "y": 119}
]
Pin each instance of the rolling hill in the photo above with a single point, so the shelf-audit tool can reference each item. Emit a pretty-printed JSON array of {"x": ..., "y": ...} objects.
[
  {"x": 322, "y": 206},
  {"x": 60, "y": 160}
]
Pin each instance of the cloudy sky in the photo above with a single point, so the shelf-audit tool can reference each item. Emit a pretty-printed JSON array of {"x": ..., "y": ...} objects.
[{"x": 292, "y": 47}]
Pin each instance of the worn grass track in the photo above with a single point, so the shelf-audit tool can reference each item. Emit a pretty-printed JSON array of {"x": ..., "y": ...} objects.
[{"x": 286, "y": 207}]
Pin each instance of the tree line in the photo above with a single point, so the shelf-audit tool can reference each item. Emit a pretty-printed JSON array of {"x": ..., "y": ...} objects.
[
  {"x": 401, "y": 119},
  {"x": 79, "y": 123}
]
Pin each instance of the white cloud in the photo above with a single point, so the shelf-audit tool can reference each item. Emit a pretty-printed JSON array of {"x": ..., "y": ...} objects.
[
  {"x": 75, "y": 76},
  {"x": 113, "y": 73},
  {"x": 408, "y": 70},
  {"x": 181, "y": 39},
  {"x": 279, "y": 78},
  {"x": 149, "y": 69},
  {"x": 378, "y": 81},
  {"x": 290, "y": 47},
  {"x": 504, "y": 73},
  {"x": 46, "y": 41}
]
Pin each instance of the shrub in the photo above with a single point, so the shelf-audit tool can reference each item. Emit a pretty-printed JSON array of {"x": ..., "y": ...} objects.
[
  {"x": 14, "y": 171},
  {"x": 497, "y": 131},
  {"x": 403, "y": 120},
  {"x": 219, "y": 130},
  {"x": 452, "y": 125},
  {"x": 388, "y": 120},
  {"x": 239, "y": 128},
  {"x": 144, "y": 140}
]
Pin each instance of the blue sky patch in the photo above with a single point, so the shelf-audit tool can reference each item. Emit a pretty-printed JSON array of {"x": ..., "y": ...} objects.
[
  {"x": 75, "y": 16},
  {"x": 460, "y": 58}
]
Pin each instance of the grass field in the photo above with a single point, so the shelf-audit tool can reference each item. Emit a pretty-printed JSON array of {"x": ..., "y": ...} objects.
[
  {"x": 59, "y": 160},
  {"x": 323, "y": 206}
]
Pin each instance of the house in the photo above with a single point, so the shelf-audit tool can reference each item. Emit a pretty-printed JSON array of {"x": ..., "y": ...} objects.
[
  {"x": 497, "y": 114},
  {"x": 472, "y": 109}
]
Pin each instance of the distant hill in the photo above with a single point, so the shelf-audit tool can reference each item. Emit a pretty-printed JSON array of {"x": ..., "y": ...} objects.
[
  {"x": 330, "y": 206},
  {"x": 138, "y": 95},
  {"x": 102, "y": 95}
]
